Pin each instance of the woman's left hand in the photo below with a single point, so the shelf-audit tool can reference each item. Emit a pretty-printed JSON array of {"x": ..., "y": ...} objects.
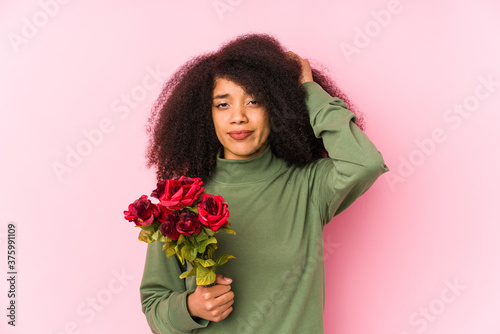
[{"x": 306, "y": 74}]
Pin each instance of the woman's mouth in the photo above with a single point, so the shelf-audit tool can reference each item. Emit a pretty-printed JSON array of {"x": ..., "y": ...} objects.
[{"x": 239, "y": 135}]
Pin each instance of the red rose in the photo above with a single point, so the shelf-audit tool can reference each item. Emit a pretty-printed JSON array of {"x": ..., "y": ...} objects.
[
  {"x": 163, "y": 213},
  {"x": 168, "y": 228},
  {"x": 142, "y": 212},
  {"x": 213, "y": 212},
  {"x": 188, "y": 223},
  {"x": 160, "y": 189},
  {"x": 181, "y": 193}
]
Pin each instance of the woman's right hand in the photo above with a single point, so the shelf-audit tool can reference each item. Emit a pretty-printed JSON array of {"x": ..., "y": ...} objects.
[
  {"x": 306, "y": 74},
  {"x": 212, "y": 303}
]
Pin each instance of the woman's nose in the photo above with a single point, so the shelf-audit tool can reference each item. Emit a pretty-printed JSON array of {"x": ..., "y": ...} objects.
[{"x": 238, "y": 114}]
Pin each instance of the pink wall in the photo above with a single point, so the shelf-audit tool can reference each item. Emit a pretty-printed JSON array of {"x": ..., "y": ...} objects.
[{"x": 417, "y": 254}]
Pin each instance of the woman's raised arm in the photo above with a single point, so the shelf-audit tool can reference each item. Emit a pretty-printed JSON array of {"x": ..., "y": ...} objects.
[{"x": 354, "y": 162}]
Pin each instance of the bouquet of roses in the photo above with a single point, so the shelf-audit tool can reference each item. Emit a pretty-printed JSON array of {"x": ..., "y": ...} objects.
[{"x": 186, "y": 220}]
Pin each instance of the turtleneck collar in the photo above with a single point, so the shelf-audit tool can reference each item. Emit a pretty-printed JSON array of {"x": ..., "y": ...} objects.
[{"x": 252, "y": 170}]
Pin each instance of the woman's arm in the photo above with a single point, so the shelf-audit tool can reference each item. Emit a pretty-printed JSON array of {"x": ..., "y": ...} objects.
[
  {"x": 354, "y": 162},
  {"x": 164, "y": 294},
  {"x": 169, "y": 306}
]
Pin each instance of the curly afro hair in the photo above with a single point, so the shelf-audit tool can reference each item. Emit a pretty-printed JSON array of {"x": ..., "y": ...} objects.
[{"x": 182, "y": 135}]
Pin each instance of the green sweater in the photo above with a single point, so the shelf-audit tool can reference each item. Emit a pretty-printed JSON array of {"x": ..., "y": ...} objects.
[{"x": 278, "y": 213}]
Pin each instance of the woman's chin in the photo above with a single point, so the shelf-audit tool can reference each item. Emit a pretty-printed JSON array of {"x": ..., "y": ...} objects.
[{"x": 242, "y": 154}]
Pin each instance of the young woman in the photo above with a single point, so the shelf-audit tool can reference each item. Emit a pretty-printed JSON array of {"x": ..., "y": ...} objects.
[{"x": 278, "y": 142}]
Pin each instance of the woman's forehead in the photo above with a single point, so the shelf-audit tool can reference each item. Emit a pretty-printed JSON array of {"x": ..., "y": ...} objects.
[{"x": 227, "y": 86}]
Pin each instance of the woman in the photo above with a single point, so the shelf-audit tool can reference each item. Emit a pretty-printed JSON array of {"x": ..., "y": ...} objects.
[{"x": 256, "y": 124}]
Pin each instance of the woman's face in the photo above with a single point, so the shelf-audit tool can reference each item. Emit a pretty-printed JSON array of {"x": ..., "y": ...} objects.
[{"x": 241, "y": 123}]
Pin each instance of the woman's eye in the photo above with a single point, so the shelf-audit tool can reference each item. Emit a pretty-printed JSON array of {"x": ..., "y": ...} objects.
[
  {"x": 222, "y": 105},
  {"x": 253, "y": 102}
]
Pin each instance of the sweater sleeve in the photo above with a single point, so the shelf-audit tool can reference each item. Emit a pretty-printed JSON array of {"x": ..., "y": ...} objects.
[
  {"x": 354, "y": 163},
  {"x": 164, "y": 294}
]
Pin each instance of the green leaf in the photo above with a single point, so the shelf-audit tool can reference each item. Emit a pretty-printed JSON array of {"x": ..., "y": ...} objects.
[
  {"x": 201, "y": 236},
  {"x": 190, "y": 240},
  {"x": 208, "y": 231},
  {"x": 205, "y": 243},
  {"x": 223, "y": 259},
  {"x": 189, "y": 252},
  {"x": 228, "y": 230},
  {"x": 170, "y": 251},
  {"x": 149, "y": 228},
  {"x": 206, "y": 263},
  {"x": 211, "y": 250},
  {"x": 162, "y": 238},
  {"x": 179, "y": 244},
  {"x": 193, "y": 208},
  {"x": 179, "y": 254},
  {"x": 204, "y": 276},
  {"x": 188, "y": 273},
  {"x": 167, "y": 243},
  {"x": 156, "y": 235},
  {"x": 145, "y": 236}
]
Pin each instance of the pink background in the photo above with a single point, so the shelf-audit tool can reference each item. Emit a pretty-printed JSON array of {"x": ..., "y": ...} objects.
[{"x": 417, "y": 254}]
